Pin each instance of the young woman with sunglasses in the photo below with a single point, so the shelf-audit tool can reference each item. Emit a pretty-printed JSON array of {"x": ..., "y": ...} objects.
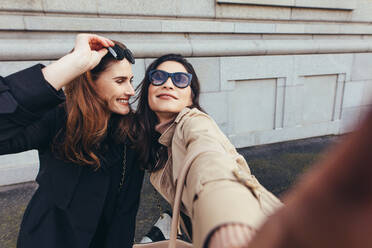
[
  {"x": 89, "y": 182},
  {"x": 174, "y": 131}
]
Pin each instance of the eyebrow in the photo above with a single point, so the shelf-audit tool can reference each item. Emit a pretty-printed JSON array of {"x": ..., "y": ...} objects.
[{"x": 124, "y": 77}]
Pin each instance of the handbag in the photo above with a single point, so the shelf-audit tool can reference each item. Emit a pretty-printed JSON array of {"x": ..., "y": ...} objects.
[{"x": 173, "y": 242}]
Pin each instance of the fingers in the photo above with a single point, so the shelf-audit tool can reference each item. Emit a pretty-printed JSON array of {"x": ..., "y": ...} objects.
[
  {"x": 97, "y": 42},
  {"x": 97, "y": 56},
  {"x": 90, "y": 48},
  {"x": 92, "y": 41},
  {"x": 102, "y": 52}
]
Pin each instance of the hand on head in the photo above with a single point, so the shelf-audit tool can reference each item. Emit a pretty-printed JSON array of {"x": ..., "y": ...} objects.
[
  {"x": 91, "y": 48},
  {"x": 88, "y": 51}
]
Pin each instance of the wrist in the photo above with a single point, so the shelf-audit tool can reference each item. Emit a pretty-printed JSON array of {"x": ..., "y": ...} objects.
[
  {"x": 231, "y": 235},
  {"x": 79, "y": 61},
  {"x": 64, "y": 70}
]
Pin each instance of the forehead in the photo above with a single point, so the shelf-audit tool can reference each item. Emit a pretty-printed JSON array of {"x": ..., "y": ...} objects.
[
  {"x": 118, "y": 68},
  {"x": 171, "y": 66}
]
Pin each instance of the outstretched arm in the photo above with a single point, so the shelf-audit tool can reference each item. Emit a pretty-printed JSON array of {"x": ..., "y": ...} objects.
[{"x": 216, "y": 197}]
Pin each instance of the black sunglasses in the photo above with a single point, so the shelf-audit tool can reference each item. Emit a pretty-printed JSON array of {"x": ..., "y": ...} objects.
[
  {"x": 119, "y": 53},
  {"x": 179, "y": 79}
]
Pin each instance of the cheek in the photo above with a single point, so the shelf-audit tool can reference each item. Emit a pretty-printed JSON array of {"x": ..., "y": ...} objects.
[
  {"x": 101, "y": 90},
  {"x": 111, "y": 92},
  {"x": 187, "y": 97},
  {"x": 190, "y": 99}
]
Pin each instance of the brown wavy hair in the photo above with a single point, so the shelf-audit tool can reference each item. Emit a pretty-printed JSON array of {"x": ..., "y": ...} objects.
[{"x": 87, "y": 118}]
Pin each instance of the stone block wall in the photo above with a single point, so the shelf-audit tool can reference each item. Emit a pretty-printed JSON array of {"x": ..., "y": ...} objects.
[{"x": 270, "y": 71}]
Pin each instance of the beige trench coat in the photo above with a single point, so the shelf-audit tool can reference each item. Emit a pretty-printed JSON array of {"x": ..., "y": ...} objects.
[{"x": 219, "y": 186}]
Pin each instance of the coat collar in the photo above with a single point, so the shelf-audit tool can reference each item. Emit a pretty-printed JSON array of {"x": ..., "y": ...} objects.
[{"x": 166, "y": 137}]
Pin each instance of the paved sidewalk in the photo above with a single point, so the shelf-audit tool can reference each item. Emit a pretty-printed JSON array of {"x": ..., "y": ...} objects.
[
  {"x": 276, "y": 166},
  {"x": 13, "y": 202}
]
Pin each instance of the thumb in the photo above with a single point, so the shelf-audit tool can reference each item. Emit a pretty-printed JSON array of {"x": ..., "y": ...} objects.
[
  {"x": 101, "y": 53},
  {"x": 97, "y": 56}
]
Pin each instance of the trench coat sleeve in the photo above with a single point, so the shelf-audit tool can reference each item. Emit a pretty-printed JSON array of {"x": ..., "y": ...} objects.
[
  {"x": 25, "y": 98},
  {"x": 216, "y": 197}
]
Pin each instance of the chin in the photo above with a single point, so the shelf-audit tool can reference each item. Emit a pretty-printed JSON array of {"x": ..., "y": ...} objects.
[
  {"x": 121, "y": 111},
  {"x": 170, "y": 110}
]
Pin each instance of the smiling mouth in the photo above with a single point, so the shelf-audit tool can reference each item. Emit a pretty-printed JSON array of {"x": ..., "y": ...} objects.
[{"x": 123, "y": 101}]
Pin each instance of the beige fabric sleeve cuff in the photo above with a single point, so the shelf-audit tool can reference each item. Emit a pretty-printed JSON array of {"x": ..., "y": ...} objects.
[{"x": 223, "y": 202}]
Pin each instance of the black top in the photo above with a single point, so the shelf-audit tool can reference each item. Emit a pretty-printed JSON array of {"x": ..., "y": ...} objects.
[
  {"x": 113, "y": 163},
  {"x": 74, "y": 206}
]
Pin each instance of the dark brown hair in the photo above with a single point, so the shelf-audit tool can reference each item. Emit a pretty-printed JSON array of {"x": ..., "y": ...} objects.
[
  {"x": 88, "y": 117},
  {"x": 152, "y": 154}
]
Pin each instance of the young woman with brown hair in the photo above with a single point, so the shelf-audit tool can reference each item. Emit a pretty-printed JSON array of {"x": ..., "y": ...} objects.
[{"x": 89, "y": 181}]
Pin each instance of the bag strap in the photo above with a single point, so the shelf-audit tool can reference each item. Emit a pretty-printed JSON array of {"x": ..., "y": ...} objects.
[
  {"x": 178, "y": 197},
  {"x": 177, "y": 204}
]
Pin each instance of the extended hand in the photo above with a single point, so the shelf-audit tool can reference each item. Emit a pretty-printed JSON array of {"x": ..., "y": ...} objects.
[{"x": 332, "y": 205}]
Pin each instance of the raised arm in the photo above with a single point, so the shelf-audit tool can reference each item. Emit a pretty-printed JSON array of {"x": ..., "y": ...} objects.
[
  {"x": 89, "y": 50},
  {"x": 27, "y": 95}
]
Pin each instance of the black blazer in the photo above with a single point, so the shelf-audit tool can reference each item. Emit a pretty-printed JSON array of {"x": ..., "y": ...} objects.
[{"x": 65, "y": 209}]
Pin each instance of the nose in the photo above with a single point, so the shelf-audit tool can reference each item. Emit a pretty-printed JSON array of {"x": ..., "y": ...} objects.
[
  {"x": 168, "y": 83},
  {"x": 129, "y": 90}
]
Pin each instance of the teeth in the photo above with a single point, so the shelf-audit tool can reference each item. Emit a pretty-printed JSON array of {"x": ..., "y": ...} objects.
[{"x": 123, "y": 101}]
